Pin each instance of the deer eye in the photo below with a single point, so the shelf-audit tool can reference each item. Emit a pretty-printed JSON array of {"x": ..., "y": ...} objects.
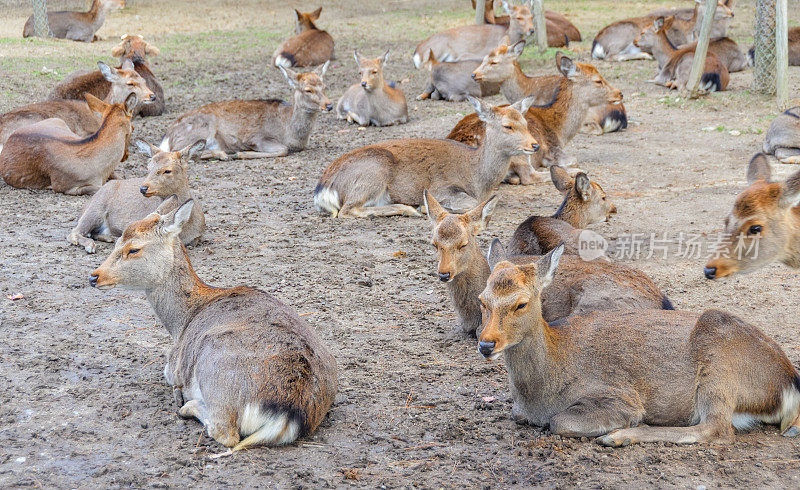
[
  {"x": 598, "y": 82},
  {"x": 309, "y": 90},
  {"x": 520, "y": 306},
  {"x": 131, "y": 84},
  {"x": 493, "y": 62},
  {"x": 508, "y": 127},
  {"x": 461, "y": 247},
  {"x": 754, "y": 230},
  {"x": 133, "y": 251},
  {"x": 167, "y": 172}
]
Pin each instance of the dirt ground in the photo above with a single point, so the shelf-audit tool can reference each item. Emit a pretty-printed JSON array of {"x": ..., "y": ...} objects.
[{"x": 82, "y": 398}]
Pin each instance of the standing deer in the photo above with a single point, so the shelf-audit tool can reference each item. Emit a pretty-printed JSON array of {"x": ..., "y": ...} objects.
[
  {"x": 48, "y": 155},
  {"x": 310, "y": 46},
  {"x": 783, "y": 137},
  {"x": 453, "y": 81},
  {"x": 387, "y": 179},
  {"x": 373, "y": 101},
  {"x": 243, "y": 363},
  {"x": 77, "y": 26},
  {"x": 632, "y": 376},
  {"x": 763, "y": 227},
  {"x": 254, "y": 128}
]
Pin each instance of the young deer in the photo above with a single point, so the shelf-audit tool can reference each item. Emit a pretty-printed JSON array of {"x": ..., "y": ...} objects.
[
  {"x": 77, "y": 26},
  {"x": 121, "y": 202},
  {"x": 48, "y": 155},
  {"x": 373, "y": 101},
  {"x": 554, "y": 124},
  {"x": 309, "y": 46},
  {"x": 132, "y": 53},
  {"x": 614, "y": 375},
  {"x": 387, "y": 179},
  {"x": 764, "y": 225},
  {"x": 79, "y": 117},
  {"x": 560, "y": 31},
  {"x": 243, "y": 363},
  {"x": 453, "y": 81},
  {"x": 584, "y": 204},
  {"x": 584, "y": 286},
  {"x": 473, "y": 42},
  {"x": 254, "y": 128},
  {"x": 783, "y": 137}
]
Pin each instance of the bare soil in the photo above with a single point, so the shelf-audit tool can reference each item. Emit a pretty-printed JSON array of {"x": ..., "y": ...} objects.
[{"x": 82, "y": 398}]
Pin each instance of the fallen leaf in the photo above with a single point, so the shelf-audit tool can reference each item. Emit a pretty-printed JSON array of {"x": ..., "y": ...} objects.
[
  {"x": 14, "y": 297},
  {"x": 399, "y": 253}
]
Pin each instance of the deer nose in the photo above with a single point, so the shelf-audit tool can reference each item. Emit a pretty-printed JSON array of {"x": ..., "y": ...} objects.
[
  {"x": 535, "y": 147},
  {"x": 143, "y": 189},
  {"x": 444, "y": 276},
  {"x": 474, "y": 76},
  {"x": 710, "y": 272},
  {"x": 531, "y": 30},
  {"x": 485, "y": 348},
  {"x": 613, "y": 210},
  {"x": 152, "y": 96},
  {"x": 329, "y": 107},
  {"x": 364, "y": 84},
  {"x": 93, "y": 280}
]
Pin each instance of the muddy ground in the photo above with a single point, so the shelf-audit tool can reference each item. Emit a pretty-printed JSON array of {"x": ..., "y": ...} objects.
[{"x": 82, "y": 399}]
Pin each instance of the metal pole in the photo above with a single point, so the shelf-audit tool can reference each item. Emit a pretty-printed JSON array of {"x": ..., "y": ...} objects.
[
  {"x": 701, "y": 50},
  {"x": 40, "y": 25},
  {"x": 480, "y": 9},
  {"x": 541, "y": 25},
  {"x": 781, "y": 56}
]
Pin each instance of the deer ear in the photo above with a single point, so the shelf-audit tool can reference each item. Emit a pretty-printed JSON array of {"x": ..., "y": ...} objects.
[
  {"x": 561, "y": 179},
  {"x": 110, "y": 74},
  {"x": 146, "y": 148},
  {"x": 791, "y": 191},
  {"x": 384, "y": 58},
  {"x": 659, "y": 23},
  {"x": 523, "y": 105},
  {"x": 357, "y": 57},
  {"x": 298, "y": 14},
  {"x": 566, "y": 66},
  {"x": 130, "y": 103},
  {"x": 172, "y": 223},
  {"x": 497, "y": 253},
  {"x": 479, "y": 216},
  {"x": 547, "y": 265},
  {"x": 118, "y": 50},
  {"x": 127, "y": 65},
  {"x": 151, "y": 50},
  {"x": 193, "y": 150},
  {"x": 322, "y": 70},
  {"x": 482, "y": 108},
  {"x": 434, "y": 210},
  {"x": 95, "y": 104},
  {"x": 518, "y": 48},
  {"x": 291, "y": 76},
  {"x": 583, "y": 186},
  {"x": 315, "y": 14},
  {"x": 758, "y": 169}
]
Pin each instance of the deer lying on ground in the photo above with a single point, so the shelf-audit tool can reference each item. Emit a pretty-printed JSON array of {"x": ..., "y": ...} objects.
[
  {"x": 617, "y": 375},
  {"x": 783, "y": 137},
  {"x": 473, "y": 42},
  {"x": 387, "y": 179},
  {"x": 243, "y": 363},
  {"x": 719, "y": 27},
  {"x": 584, "y": 204},
  {"x": 254, "y": 128},
  {"x": 77, "y": 26},
  {"x": 553, "y": 124},
  {"x": 763, "y": 227},
  {"x": 453, "y": 81},
  {"x": 78, "y": 115},
  {"x": 560, "y": 31},
  {"x": 373, "y": 101},
  {"x": 121, "y": 202},
  {"x": 583, "y": 287},
  {"x": 605, "y": 119},
  {"x": 501, "y": 67},
  {"x": 675, "y": 64},
  {"x": 132, "y": 53},
  {"x": 48, "y": 155},
  {"x": 310, "y": 46}
]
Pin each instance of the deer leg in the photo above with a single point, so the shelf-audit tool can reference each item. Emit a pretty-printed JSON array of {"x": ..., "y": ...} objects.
[
  {"x": 426, "y": 94},
  {"x": 788, "y": 155},
  {"x": 353, "y": 117},
  {"x": 279, "y": 151},
  {"x": 594, "y": 416},
  {"x": 214, "y": 155},
  {"x": 676, "y": 435},
  {"x": 194, "y": 409},
  {"x": 76, "y": 238},
  {"x": 388, "y": 210}
]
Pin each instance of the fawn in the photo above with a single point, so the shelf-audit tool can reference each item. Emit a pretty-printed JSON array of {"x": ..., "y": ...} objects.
[
  {"x": 243, "y": 363},
  {"x": 309, "y": 46},
  {"x": 560, "y": 31},
  {"x": 77, "y": 26},
  {"x": 373, "y": 101},
  {"x": 121, "y": 202},
  {"x": 387, "y": 179},
  {"x": 453, "y": 81},
  {"x": 254, "y": 128},
  {"x": 783, "y": 136}
]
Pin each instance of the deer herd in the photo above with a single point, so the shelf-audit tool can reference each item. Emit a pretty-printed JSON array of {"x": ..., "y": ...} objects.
[{"x": 592, "y": 348}]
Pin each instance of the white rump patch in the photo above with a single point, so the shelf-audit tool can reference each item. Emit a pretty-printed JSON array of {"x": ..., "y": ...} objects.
[
  {"x": 598, "y": 52},
  {"x": 417, "y": 60},
  {"x": 790, "y": 402},
  {"x": 327, "y": 201},
  {"x": 269, "y": 427},
  {"x": 610, "y": 125},
  {"x": 280, "y": 60},
  {"x": 164, "y": 146}
]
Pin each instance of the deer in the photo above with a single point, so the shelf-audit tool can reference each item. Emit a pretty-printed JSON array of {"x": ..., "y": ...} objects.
[
  {"x": 552, "y": 124},
  {"x": 675, "y": 64},
  {"x": 47, "y": 155},
  {"x": 584, "y": 287},
  {"x": 76, "y": 26},
  {"x": 793, "y": 46},
  {"x": 242, "y": 363},
  {"x": 783, "y": 136},
  {"x": 719, "y": 28},
  {"x": 132, "y": 52},
  {"x": 79, "y": 117},
  {"x": 120, "y": 202},
  {"x": 609, "y": 118},
  {"x": 585, "y": 203},
  {"x": 387, "y": 178},
  {"x": 560, "y": 31},
  {"x": 245, "y": 129},
  {"x": 310, "y": 46},
  {"x": 373, "y": 101},
  {"x": 474, "y": 41},
  {"x": 453, "y": 81},
  {"x": 763, "y": 226}
]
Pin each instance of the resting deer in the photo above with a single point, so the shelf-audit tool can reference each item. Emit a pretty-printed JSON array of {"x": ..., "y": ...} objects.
[
  {"x": 605, "y": 119},
  {"x": 79, "y": 117},
  {"x": 719, "y": 27},
  {"x": 560, "y": 31},
  {"x": 121, "y": 202},
  {"x": 585, "y": 203},
  {"x": 632, "y": 376},
  {"x": 132, "y": 53},
  {"x": 473, "y": 42},
  {"x": 763, "y": 227},
  {"x": 794, "y": 48},
  {"x": 584, "y": 286},
  {"x": 254, "y": 128},
  {"x": 310, "y": 46},
  {"x": 453, "y": 81},
  {"x": 242, "y": 363},
  {"x": 373, "y": 101},
  {"x": 387, "y": 179},
  {"x": 48, "y": 155},
  {"x": 77, "y": 26},
  {"x": 783, "y": 137}
]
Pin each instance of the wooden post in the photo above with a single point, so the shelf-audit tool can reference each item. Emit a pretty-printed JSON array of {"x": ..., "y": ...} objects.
[
  {"x": 702, "y": 50},
  {"x": 540, "y": 25},
  {"x": 781, "y": 55},
  {"x": 480, "y": 9}
]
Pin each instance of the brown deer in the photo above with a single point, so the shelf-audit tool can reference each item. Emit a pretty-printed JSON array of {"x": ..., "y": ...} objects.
[
  {"x": 48, "y": 155},
  {"x": 719, "y": 27},
  {"x": 473, "y": 42},
  {"x": 783, "y": 136},
  {"x": 583, "y": 287},
  {"x": 243, "y": 363},
  {"x": 585, "y": 203},
  {"x": 121, "y": 202},
  {"x": 794, "y": 48},
  {"x": 631, "y": 376},
  {"x": 310, "y": 46},
  {"x": 387, "y": 179},
  {"x": 77, "y": 114},
  {"x": 453, "y": 81},
  {"x": 254, "y": 128},
  {"x": 763, "y": 227},
  {"x": 77, "y": 26},
  {"x": 501, "y": 67},
  {"x": 132, "y": 53},
  {"x": 560, "y": 31},
  {"x": 553, "y": 124},
  {"x": 605, "y": 119},
  {"x": 373, "y": 101}
]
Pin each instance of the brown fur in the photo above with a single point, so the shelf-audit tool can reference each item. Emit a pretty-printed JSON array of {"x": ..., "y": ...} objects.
[
  {"x": 372, "y": 101},
  {"x": 783, "y": 136},
  {"x": 77, "y": 26},
  {"x": 453, "y": 81},
  {"x": 501, "y": 66},
  {"x": 310, "y": 46},
  {"x": 559, "y": 29}
]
